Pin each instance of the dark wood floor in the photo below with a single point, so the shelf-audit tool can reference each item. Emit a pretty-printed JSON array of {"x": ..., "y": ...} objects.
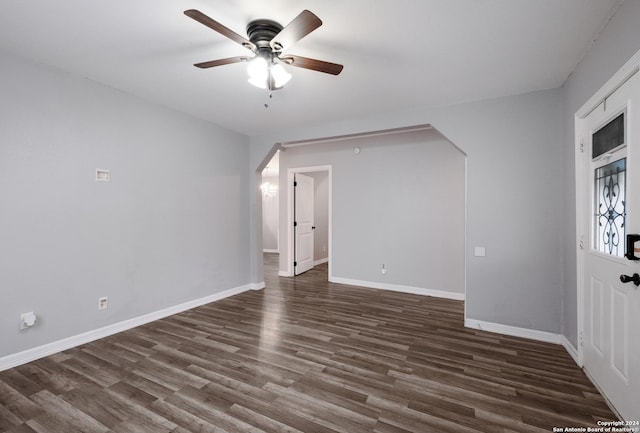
[{"x": 307, "y": 356}]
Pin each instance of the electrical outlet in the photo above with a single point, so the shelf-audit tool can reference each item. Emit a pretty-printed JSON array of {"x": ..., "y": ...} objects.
[
  {"x": 103, "y": 303},
  {"x": 384, "y": 269},
  {"x": 27, "y": 320}
]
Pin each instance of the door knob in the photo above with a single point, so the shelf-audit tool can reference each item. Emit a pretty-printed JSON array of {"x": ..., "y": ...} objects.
[{"x": 635, "y": 278}]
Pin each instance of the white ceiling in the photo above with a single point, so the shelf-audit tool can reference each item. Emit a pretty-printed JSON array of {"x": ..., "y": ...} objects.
[{"x": 396, "y": 54}]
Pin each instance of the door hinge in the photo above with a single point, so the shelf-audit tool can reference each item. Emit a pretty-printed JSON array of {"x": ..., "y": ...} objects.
[
  {"x": 582, "y": 146},
  {"x": 580, "y": 339},
  {"x": 295, "y": 183},
  {"x": 295, "y": 264},
  {"x": 295, "y": 224}
]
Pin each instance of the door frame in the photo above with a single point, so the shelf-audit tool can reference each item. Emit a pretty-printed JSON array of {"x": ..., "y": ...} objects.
[
  {"x": 290, "y": 210},
  {"x": 629, "y": 69}
]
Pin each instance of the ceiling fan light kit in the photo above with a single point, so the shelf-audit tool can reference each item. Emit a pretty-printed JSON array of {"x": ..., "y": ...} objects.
[
  {"x": 267, "y": 41},
  {"x": 266, "y": 74}
]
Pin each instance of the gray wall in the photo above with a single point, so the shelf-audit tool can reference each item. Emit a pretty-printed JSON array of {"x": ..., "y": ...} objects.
[
  {"x": 617, "y": 43},
  {"x": 399, "y": 202},
  {"x": 170, "y": 227},
  {"x": 270, "y": 215},
  {"x": 514, "y": 199}
]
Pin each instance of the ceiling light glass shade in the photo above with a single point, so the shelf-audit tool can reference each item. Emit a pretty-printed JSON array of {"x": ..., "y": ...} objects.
[
  {"x": 258, "y": 70},
  {"x": 280, "y": 75},
  {"x": 264, "y": 74}
]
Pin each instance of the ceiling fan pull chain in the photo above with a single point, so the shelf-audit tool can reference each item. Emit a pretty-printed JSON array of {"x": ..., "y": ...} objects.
[{"x": 266, "y": 105}]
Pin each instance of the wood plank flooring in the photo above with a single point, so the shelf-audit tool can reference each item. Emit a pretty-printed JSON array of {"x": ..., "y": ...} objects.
[{"x": 304, "y": 355}]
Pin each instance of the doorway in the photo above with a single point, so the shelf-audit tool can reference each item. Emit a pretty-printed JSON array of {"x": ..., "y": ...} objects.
[
  {"x": 388, "y": 184},
  {"x": 308, "y": 219},
  {"x": 312, "y": 236},
  {"x": 608, "y": 214}
]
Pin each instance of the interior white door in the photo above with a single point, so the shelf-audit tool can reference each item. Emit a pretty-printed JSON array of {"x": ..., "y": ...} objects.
[
  {"x": 303, "y": 196},
  {"x": 609, "y": 188}
]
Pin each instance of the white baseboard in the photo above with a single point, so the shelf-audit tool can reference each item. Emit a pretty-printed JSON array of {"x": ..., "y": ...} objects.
[
  {"x": 321, "y": 261},
  {"x": 571, "y": 350},
  {"x": 35, "y": 353},
  {"x": 284, "y": 274},
  {"x": 257, "y": 286},
  {"x": 399, "y": 288},
  {"x": 514, "y": 331},
  {"x": 267, "y": 250}
]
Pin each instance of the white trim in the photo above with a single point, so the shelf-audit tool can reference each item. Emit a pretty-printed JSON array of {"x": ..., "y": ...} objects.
[
  {"x": 321, "y": 261},
  {"x": 270, "y": 250},
  {"x": 399, "y": 288},
  {"x": 579, "y": 160},
  {"x": 571, "y": 350},
  {"x": 298, "y": 143},
  {"x": 35, "y": 353},
  {"x": 285, "y": 274},
  {"x": 466, "y": 222},
  {"x": 257, "y": 286},
  {"x": 617, "y": 81},
  {"x": 514, "y": 331}
]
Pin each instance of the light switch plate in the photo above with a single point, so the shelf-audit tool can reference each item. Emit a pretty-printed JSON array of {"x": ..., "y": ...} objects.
[{"x": 479, "y": 252}]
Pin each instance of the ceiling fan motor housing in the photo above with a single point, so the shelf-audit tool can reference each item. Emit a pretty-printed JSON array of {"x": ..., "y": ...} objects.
[{"x": 262, "y": 31}]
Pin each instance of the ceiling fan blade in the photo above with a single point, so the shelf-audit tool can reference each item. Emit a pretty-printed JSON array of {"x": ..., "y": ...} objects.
[
  {"x": 220, "y": 62},
  {"x": 297, "y": 29},
  {"x": 316, "y": 65},
  {"x": 225, "y": 31}
]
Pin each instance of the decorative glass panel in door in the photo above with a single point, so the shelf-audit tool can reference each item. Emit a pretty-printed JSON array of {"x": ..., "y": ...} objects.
[{"x": 610, "y": 211}]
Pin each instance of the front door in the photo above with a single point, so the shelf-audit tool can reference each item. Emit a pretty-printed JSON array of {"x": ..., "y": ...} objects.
[
  {"x": 303, "y": 196},
  {"x": 609, "y": 206}
]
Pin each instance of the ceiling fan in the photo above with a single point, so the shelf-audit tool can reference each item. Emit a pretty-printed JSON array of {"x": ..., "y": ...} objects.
[{"x": 267, "y": 41}]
